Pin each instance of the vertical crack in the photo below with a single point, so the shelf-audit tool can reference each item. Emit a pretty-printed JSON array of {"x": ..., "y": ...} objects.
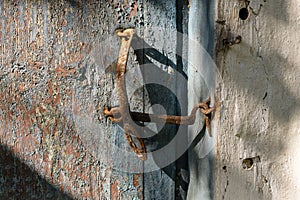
[{"x": 227, "y": 182}]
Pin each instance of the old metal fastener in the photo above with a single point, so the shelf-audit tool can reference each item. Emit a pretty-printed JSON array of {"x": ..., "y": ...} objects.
[
  {"x": 123, "y": 113},
  {"x": 236, "y": 40},
  {"x": 126, "y": 38},
  {"x": 114, "y": 114}
]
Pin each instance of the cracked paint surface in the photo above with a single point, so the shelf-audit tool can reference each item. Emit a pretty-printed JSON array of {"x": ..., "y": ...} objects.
[
  {"x": 45, "y": 48},
  {"x": 46, "y": 54}
]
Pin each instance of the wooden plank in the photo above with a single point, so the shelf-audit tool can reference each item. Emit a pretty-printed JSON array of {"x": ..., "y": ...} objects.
[{"x": 161, "y": 34}]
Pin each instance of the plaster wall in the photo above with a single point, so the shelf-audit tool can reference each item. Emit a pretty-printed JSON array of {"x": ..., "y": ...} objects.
[{"x": 259, "y": 116}]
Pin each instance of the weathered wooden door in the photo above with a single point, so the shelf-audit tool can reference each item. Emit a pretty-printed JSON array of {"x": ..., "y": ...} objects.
[{"x": 57, "y": 74}]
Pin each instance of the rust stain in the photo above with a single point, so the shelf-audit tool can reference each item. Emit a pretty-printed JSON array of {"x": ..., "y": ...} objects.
[
  {"x": 138, "y": 183},
  {"x": 64, "y": 23},
  {"x": 35, "y": 65},
  {"x": 114, "y": 190},
  {"x": 136, "y": 178},
  {"x": 42, "y": 53},
  {"x": 134, "y": 11}
]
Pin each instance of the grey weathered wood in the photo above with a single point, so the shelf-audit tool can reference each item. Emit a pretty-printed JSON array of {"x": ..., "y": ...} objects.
[
  {"x": 160, "y": 33},
  {"x": 55, "y": 79},
  {"x": 49, "y": 78}
]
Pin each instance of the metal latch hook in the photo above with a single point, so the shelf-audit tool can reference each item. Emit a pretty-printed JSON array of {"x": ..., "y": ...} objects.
[{"x": 123, "y": 113}]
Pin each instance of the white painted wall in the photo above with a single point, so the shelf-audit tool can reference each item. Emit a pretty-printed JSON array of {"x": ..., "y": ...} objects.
[{"x": 260, "y": 101}]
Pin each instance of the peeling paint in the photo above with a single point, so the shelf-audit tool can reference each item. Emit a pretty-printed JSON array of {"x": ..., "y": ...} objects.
[{"x": 42, "y": 53}]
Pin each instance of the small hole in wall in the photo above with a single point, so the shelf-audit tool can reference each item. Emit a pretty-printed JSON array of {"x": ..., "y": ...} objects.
[
  {"x": 247, "y": 163},
  {"x": 244, "y": 13}
]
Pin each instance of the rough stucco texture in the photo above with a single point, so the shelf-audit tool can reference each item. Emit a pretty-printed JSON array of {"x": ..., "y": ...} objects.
[{"x": 259, "y": 118}]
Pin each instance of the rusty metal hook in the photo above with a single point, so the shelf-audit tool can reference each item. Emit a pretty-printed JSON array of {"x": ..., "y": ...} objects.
[
  {"x": 126, "y": 38},
  {"x": 123, "y": 113}
]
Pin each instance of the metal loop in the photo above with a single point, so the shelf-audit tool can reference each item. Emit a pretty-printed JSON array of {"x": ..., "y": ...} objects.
[
  {"x": 141, "y": 152},
  {"x": 123, "y": 114}
]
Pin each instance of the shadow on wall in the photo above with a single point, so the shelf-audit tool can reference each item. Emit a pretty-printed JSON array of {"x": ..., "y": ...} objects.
[
  {"x": 169, "y": 101},
  {"x": 18, "y": 181},
  {"x": 266, "y": 79},
  {"x": 277, "y": 96},
  {"x": 276, "y": 100}
]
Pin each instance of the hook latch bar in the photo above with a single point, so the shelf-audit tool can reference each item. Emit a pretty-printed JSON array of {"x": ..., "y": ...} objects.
[{"x": 123, "y": 113}]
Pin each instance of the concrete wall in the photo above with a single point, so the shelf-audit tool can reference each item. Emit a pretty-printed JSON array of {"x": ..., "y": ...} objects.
[{"x": 259, "y": 117}]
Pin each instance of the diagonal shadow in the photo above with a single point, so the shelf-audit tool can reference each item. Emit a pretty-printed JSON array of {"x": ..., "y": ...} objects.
[
  {"x": 168, "y": 100},
  {"x": 278, "y": 98},
  {"x": 19, "y": 181},
  {"x": 143, "y": 49}
]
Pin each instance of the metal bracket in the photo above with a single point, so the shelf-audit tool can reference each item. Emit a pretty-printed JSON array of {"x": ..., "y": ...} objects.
[{"x": 123, "y": 113}]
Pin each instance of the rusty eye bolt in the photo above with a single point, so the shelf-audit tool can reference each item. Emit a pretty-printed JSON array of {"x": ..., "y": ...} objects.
[{"x": 123, "y": 113}]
